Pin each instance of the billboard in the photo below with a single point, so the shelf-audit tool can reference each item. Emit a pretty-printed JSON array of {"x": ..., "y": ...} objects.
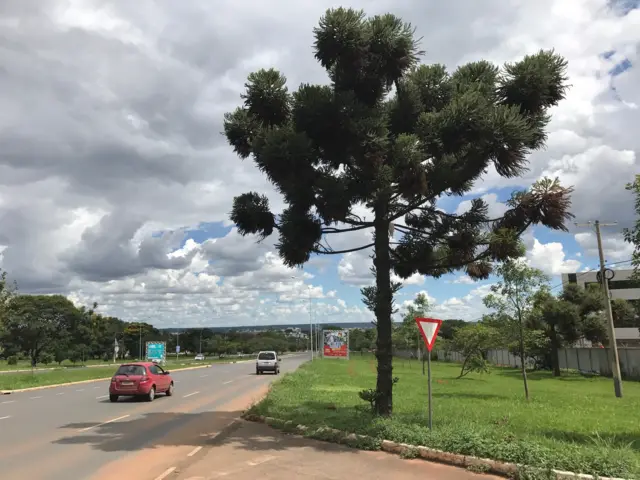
[
  {"x": 335, "y": 343},
  {"x": 157, "y": 351}
]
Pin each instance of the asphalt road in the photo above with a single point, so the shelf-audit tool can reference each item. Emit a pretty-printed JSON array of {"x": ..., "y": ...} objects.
[{"x": 75, "y": 432}]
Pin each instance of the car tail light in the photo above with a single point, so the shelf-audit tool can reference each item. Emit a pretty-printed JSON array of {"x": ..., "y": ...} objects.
[{"x": 144, "y": 379}]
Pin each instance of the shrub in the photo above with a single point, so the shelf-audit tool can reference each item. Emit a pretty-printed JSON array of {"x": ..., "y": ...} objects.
[
  {"x": 12, "y": 360},
  {"x": 46, "y": 358}
]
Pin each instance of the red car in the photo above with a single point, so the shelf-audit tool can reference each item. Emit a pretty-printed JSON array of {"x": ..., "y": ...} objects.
[{"x": 140, "y": 379}]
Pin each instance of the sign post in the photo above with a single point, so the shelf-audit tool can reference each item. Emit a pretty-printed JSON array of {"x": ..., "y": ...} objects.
[{"x": 428, "y": 328}]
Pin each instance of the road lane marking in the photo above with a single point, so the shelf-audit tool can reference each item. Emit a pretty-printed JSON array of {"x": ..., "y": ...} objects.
[
  {"x": 95, "y": 388},
  {"x": 61, "y": 393},
  {"x": 166, "y": 473},
  {"x": 202, "y": 376},
  {"x": 8, "y": 401},
  {"x": 104, "y": 423},
  {"x": 80, "y": 390},
  {"x": 227, "y": 383},
  {"x": 258, "y": 461},
  {"x": 194, "y": 451},
  {"x": 191, "y": 394},
  {"x": 34, "y": 398},
  {"x": 101, "y": 396},
  {"x": 4, "y": 418}
]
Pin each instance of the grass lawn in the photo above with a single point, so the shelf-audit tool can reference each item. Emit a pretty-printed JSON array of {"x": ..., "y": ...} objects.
[
  {"x": 54, "y": 376},
  {"x": 25, "y": 365},
  {"x": 571, "y": 423}
]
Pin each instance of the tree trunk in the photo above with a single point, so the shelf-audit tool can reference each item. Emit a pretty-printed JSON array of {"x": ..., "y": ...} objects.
[
  {"x": 522, "y": 361},
  {"x": 382, "y": 262},
  {"x": 555, "y": 359}
]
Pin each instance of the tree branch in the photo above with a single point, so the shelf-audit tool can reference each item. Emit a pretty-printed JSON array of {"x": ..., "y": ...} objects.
[
  {"x": 338, "y": 252},
  {"x": 342, "y": 230}
]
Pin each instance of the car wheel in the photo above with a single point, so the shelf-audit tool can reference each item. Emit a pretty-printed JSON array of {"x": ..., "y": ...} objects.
[
  {"x": 151, "y": 395},
  {"x": 169, "y": 391},
  {"x": 278, "y": 372},
  {"x": 113, "y": 398}
]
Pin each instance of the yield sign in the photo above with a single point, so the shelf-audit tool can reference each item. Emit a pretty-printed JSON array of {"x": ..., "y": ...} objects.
[{"x": 429, "y": 330}]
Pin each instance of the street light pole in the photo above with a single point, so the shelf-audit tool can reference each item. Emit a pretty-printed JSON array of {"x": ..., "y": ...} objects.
[{"x": 140, "y": 341}]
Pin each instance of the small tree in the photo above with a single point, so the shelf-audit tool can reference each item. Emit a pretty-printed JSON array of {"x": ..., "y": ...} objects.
[
  {"x": 408, "y": 329},
  {"x": 356, "y": 141},
  {"x": 561, "y": 323},
  {"x": 473, "y": 342},
  {"x": 590, "y": 304},
  {"x": 514, "y": 298}
]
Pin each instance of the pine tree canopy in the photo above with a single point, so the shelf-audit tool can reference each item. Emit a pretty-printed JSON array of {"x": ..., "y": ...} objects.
[{"x": 397, "y": 135}]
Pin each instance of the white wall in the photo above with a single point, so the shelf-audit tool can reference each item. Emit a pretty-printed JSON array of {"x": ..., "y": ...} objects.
[{"x": 584, "y": 359}]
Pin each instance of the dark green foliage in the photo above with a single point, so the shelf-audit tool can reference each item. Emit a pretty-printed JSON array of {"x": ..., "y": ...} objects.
[
  {"x": 632, "y": 235},
  {"x": 330, "y": 148}
]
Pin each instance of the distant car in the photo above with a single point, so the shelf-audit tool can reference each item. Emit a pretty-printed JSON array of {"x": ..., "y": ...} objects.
[
  {"x": 199, "y": 356},
  {"x": 267, "y": 362},
  {"x": 140, "y": 379}
]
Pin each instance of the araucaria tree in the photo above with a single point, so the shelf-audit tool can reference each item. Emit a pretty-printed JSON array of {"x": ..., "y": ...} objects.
[{"x": 395, "y": 136}]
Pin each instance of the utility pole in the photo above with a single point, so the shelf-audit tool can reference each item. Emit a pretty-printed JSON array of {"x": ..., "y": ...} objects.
[
  {"x": 200, "y": 349},
  {"x": 140, "y": 342},
  {"x": 310, "y": 324},
  {"x": 615, "y": 359}
]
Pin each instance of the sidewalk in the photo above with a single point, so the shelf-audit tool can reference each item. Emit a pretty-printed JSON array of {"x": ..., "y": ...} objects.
[{"x": 256, "y": 451}]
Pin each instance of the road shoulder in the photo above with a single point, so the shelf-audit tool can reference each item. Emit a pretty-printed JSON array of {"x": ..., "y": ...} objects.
[{"x": 252, "y": 450}]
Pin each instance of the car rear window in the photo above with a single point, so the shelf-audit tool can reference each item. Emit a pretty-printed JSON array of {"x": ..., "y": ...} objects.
[
  {"x": 267, "y": 356},
  {"x": 131, "y": 370}
]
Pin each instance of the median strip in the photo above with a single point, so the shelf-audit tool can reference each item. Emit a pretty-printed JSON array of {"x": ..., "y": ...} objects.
[{"x": 92, "y": 380}]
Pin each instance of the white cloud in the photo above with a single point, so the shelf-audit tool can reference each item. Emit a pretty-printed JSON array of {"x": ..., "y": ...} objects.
[
  {"x": 551, "y": 258},
  {"x": 613, "y": 245},
  {"x": 463, "y": 279},
  {"x": 110, "y": 135}
]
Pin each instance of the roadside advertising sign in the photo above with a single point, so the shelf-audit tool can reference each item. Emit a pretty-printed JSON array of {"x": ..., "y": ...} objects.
[{"x": 335, "y": 343}]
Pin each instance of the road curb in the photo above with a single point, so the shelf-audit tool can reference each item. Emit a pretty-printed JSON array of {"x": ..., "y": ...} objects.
[
  {"x": 80, "y": 382},
  {"x": 411, "y": 451}
]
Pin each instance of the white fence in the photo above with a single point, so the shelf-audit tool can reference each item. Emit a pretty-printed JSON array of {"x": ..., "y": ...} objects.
[{"x": 584, "y": 359}]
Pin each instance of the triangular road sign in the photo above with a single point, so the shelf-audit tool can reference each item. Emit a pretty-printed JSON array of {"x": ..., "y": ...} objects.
[{"x": 429, "y": 328}]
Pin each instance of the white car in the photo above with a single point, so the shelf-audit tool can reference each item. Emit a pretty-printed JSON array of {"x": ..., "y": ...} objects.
[
  {"x": 199, "y": 356},
  {"x": 267, "y": 362}
]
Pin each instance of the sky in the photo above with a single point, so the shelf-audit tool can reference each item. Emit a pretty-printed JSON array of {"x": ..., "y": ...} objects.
[{"x": 116, "y": 183}]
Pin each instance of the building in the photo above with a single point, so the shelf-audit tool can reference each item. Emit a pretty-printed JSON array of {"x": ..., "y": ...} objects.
[{"x": 620, "y": 286}]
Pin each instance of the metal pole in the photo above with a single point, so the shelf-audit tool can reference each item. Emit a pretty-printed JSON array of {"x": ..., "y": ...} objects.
[
  {"x": 177, "y": 344},
  {"x": 140, "y": 342},
  {"x": 310, "y": 324},
  {"x": 429, "y": 382},
  {"x": 615, "y": 363},
  {"x": 200, "y": 349}
]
